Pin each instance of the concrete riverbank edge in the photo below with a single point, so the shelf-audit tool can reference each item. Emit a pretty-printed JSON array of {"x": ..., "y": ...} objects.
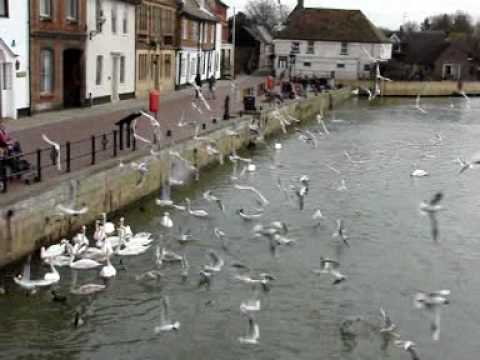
[
  {"x": 30, "y": 220},
  {"x": 414, "y": 88}
]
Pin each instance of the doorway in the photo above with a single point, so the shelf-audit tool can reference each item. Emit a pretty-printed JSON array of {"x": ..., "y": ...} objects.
[
  {"x": 115, "y": 76},
  {"x": 72, "y": 77}
]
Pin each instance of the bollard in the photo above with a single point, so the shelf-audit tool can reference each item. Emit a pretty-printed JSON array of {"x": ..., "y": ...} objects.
[
  {"x": 67, "y": 156},
  {"x": 120, "y": 135},
  {"x": 129, "y": 135},
  {"x": 93, "y": 149},
  {"x": 226, "y": 108},
  {"x": 115, "y": 136},
  {"x": 104, "y": 142},
  {"x": 39, "y": 165}
]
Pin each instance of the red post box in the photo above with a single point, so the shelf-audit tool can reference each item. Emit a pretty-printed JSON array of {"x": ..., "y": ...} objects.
[
  {"x": 154, "y": 100},
  {"x": 269, "y": 83}
]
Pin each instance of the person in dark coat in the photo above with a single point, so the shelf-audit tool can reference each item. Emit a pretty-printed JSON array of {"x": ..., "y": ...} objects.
[
  {"x": 198, "y": 82},
  {"x": 211, "y": 86}
]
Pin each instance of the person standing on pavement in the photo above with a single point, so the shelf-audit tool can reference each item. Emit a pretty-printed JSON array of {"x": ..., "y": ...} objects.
[
  {"x": 198, "y": 82},
  {"x": 211, "y": 86}
]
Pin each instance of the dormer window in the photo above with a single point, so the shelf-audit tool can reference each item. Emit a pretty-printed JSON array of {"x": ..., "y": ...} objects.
[
  {"x": 311, "y": 47},
  {"x": 295, "y": 47},
  {"x": 344, "y": 48}
]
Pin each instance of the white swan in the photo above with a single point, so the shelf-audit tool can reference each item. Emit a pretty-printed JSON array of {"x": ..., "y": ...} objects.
[
  {"x": 87, "y": 289},
  {"x": 108, "y": 227},
  {"x": 127, "y": 230},
  {"x": 166, "y": 220},
  {"x": 53, "y": 250},
  {"x": 141, "y": 238},
  {"x": 198, "y": 213},
  {"x": 23, "y": 280},
  {"x": 53, "y": 276},
  {"x": 83, "y": 264},
  {"x": 99, "y": 234},
  {"x": 81, "y": 237},
  {"x": 108, "y": 271}
]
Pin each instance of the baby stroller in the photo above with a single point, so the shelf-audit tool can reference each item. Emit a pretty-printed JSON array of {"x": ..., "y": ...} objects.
[{"x": 12, "y": 162}]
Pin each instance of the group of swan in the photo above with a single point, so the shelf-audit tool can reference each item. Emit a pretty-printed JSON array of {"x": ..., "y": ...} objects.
[{"x": 110, "y": 240}]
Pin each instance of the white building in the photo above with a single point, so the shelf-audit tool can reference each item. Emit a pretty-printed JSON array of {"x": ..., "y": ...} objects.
[
  {"x": 218, "y": 51},
  {"x": 325, "y": 42},
  {"x": 14, "y": 58},
  {"x": 110, "y": 50}
]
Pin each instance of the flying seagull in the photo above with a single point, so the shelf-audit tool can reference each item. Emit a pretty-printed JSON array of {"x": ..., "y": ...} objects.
[{"x": 431, "y": 208}]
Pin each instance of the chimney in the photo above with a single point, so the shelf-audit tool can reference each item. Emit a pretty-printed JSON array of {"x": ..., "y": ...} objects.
[{"x": 299, "y": 4}]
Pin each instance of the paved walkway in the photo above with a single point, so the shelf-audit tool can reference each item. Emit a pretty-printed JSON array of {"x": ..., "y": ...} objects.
[{"x": 78, "y": 125}]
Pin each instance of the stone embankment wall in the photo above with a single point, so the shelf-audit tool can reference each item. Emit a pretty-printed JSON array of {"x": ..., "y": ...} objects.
[
  {"x": 424, "y": 88},
  {"x": 31, "y": 220}
]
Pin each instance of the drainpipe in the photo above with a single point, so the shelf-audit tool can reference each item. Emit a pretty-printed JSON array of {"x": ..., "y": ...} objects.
[
  {"x": 135, "y": 53},
  {"x": 29, "y": 58}
]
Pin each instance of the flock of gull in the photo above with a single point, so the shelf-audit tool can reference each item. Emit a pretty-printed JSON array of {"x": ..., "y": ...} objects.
[{"x": 118, "y": 240}]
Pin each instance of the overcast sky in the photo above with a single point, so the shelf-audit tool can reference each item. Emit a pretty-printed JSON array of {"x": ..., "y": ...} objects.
[{"x": 388, "y": 13}]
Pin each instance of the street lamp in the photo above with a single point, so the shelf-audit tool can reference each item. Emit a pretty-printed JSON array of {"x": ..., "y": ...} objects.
[{"x": 292, "y": 62}]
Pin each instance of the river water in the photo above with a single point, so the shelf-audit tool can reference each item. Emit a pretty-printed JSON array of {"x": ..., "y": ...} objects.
[{"x": 391, "y": 254}]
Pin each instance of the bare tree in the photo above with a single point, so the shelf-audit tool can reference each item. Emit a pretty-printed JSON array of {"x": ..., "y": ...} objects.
[
  {"x": 410, "y": 26},
  {"x": 268, "y": 13}
]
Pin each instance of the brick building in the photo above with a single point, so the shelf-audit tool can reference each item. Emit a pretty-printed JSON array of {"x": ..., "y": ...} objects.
[
  {"x": 224, "y": 47},
  {"x": 155, "y": 46},
  {"x": 57, "y": 61}
]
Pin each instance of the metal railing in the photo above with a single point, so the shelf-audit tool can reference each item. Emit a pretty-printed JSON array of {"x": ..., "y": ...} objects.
[
  {"x": 76, "y": 155},
  {"x": 42, "y": 163}
]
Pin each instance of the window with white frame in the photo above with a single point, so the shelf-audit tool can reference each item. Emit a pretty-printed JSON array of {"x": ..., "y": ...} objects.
[
  {"x": 125, "y": 21},
  {"x": 167, "y": 68},
  {"x": 6, "y": 75},
  {"x": 3, "y": 8},
  {"x": 344, "y": 48},
  {"x": 185, "y": 29},
  {"x": 311, "y": 47},
  {"x": 46, "y": 8},
  {"x": 99, "y": 17},
  {"x": 307, "y": 64},
  {"x": 122, "y": 69},
  {"x": 99, "y": 70},
  {"x": 71, "y": 10},
  {"x": 295, "y": 47},
  {"x": 340, "y": 66},
  {"x": 195, "y": 31},
  {"x": 282, "y": 61},
  {"x": 114, "y": 19},
  {"x": 46, "y": 71}
]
